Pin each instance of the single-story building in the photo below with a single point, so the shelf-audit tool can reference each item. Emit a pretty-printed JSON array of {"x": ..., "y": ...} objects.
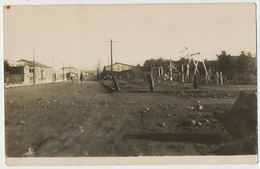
[
  {"x": 23, "y": 70},
  {"x": 120, "y": 70},
  {"x": 119, "y": 67},
  {"x": 70, "y": 72}
]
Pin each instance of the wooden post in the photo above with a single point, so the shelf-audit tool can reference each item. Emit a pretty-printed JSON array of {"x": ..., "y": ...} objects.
[
  {"x": 217, "y": 78},
  {"x": 188, "y": 73},
  {"x": 182, "y": 73},
  {"x": 206, "y": 73},
  {"x": 115, "y": 83},
  {"x": 196, "y": 66},
  {"x": 151, "y": 82},
  {"x": 170, "y": 70},
  {"x": 196, "y": 82},
  {"x": 221, "y": 79}
]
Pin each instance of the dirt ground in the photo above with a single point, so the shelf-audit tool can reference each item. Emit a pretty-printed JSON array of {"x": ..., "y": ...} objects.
[{"x": 85, "y": 119}]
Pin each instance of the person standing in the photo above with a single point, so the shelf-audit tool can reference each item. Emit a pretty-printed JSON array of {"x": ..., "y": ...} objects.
[{"x": 81, "y": 77}]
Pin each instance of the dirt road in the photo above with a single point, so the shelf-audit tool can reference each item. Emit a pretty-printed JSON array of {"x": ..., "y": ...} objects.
[{"x": 84, "y": 119}]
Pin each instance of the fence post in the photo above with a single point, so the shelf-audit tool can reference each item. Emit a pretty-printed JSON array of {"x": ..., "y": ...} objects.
[
  {"x": 217, "y": 77},
  {"x": 115, "y": 83},
  {"x": 151, "y": 82},
  {"x": 221, "y": 79},
  {"x": 196, "y": 82},
  {"x": 182, "y": 73}
]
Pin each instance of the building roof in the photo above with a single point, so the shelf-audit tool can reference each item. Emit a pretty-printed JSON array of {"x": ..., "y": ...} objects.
[
  {"x": 71, "y": 67},
  {"x": 120, "y": 64},
  {"x": 13, "y": 63},
  {"x": 30, "y": 63}
]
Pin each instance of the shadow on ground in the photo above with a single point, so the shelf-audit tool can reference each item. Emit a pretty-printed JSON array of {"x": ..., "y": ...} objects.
[{"x": 188, "y": 138}]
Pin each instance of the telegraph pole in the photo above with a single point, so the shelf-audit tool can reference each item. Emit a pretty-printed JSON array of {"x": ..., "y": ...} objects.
[
  {"x": 111, "y": 47},
  {"x": 113, "y": 77},
  {"x": 111, "y": 54},
  {"x": 34, "y": 65}
]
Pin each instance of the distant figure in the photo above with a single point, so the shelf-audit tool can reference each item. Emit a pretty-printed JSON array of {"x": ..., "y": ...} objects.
[{"x": 81, "y": 77}]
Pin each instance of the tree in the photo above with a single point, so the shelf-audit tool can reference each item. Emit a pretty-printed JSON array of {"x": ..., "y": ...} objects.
[
  {"x": 245, "y": 63},
  {"x": 212, "y": 65},
  {"x": 226, "y": 65},
  {"x": 181, "y": 62},
  {"x": 153, "y": 62},
  {"x": 6, "y": 66},
  {"x": 246, "y": 68}
]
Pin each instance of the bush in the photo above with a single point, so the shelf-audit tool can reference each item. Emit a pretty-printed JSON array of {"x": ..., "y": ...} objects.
[{"x": 246, "y": 79}]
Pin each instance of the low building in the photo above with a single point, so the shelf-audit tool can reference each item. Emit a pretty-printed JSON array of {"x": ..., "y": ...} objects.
[
  {"x": 119, "y": 67},
  {"x": 121, "y": 70},
  {"x": 58, "y": 76},
  {"x": 23, "y": 70},
  {"x": 43, "y": 73},
  {"x": 70, "y": 72}
]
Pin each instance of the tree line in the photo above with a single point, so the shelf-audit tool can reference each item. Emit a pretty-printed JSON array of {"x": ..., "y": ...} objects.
[{"x": 239, "y": 69}]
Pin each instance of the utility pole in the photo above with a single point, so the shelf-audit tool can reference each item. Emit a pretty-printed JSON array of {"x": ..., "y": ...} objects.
[
  {"x": 111, "y": 49},
  {"x": 111, "y": 54},
  {"x": 34, "y": 65},
  {"x": 113, "y": 77}
]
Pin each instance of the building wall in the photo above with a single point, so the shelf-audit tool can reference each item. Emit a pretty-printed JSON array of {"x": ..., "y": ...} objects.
[
  {"x": 71, "y": 70},
  {"x": 27, "y": 75},
  {"x": 13, "y": 78},
  {"x": 58, "y": 75},
  {"x": 14, "y": 75},
  {"x": 119, "y": 67},
  {"x": 42, "y": 75}
]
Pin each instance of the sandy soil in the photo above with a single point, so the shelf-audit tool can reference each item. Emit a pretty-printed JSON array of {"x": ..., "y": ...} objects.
[{"x": 85, "y": 119}]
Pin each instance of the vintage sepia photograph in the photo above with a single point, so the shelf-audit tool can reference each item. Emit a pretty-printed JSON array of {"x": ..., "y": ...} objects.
[{"x": 136, "y": 80}]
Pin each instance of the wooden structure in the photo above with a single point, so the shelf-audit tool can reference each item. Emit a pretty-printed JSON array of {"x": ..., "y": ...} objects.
[{"x": 195, "y": 61}]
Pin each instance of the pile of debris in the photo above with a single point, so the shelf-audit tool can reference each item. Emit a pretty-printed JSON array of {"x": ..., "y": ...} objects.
[
  {"x": 241, "y": 123},
  {"x": 242, "y": 119}
]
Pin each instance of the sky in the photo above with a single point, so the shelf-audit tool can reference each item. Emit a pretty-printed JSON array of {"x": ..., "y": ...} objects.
[{"x": 79, "y": 35}]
